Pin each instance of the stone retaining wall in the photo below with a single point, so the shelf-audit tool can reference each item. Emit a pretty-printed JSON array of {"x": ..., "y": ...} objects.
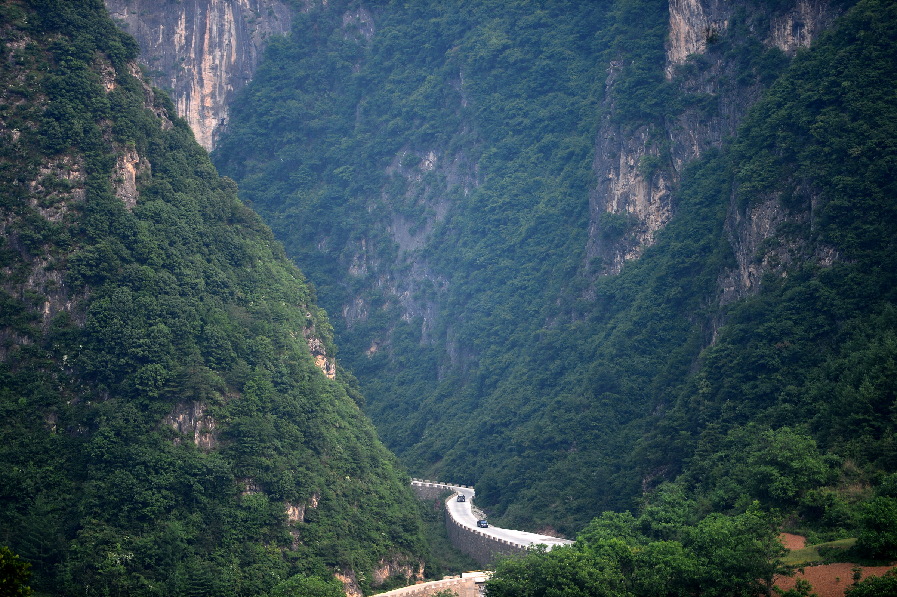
[
  {"x": 481, "y": 547},
  {"x": 430, "y": 490},
  {"x": 463, "y": 587}
]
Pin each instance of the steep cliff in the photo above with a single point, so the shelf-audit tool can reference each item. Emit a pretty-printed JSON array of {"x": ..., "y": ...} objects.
[
  {"x": 536, "y": 223},
  {"x": 719, "y": 57},
  {"x": 202, "y": 52}
]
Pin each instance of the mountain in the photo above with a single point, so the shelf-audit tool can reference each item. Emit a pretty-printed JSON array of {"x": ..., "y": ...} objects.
[
  {"x": 571, "y": 247},
  {"x": 600, "y": 256},
  {"x": 173, "y": 419}
]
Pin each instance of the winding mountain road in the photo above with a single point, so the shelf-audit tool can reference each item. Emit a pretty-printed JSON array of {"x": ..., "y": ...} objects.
[{"x": 463, "y": 514}]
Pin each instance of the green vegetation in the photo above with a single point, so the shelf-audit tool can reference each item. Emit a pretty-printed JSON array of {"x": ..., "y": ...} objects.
[
  {"x": 486, "y": 351},
  {"x": 874, "y": 586},
  {"x": 829, "y": 551},
  {"x": 791, "y": 407},
  {"x": 14, "y": 574},
  {"x": 621, "y": 555},
  {"x": 329, "y": 141},
  {"x": 445, "y": 559},
  {"x": 160, "y": 410}
]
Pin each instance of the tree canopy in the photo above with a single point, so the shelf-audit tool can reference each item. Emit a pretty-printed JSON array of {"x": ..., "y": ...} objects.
[{"x": 164, "y": 427}]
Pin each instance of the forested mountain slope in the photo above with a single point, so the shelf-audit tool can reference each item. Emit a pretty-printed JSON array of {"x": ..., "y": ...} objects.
[
  {"x": 561, "y": 265},
  {"x": 430, "y": 166},
  {"x": 172, "y": 420}
]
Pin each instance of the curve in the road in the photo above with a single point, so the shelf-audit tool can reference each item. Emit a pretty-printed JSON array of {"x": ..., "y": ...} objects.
[
  {"x": 482, "y": 543},
  {"x": 462, "y": 513}
]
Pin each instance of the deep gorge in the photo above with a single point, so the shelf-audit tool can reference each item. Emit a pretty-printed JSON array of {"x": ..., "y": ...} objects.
[{"x": 627, "y": 267}]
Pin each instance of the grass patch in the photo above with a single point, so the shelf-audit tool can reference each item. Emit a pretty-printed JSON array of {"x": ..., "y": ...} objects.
[{"x": 822, "y": 553}]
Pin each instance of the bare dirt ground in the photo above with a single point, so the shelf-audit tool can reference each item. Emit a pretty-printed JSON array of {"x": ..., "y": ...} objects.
[
  {"x": 828, "y": 580},
  {"x": 791, "y": 541}
]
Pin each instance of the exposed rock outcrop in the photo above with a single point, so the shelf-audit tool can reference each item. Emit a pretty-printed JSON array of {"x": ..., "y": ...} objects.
[
  {"x": 318, "y": 350},
  {"x": 694, "y": 24},
  {"x": 637, "y": 169},
  {"x": 128, "y": 167},
  {"x": 755, "y": 233},
  {"x": 385, "y": 569},
  {"x": 202, "y": 51},
  {"x": 350, "y": 583},
  {"x": 191, "y": 419},
  {"x": 322, "y": 361},
  {"x": 430, "y": 179},
  {"x": 295, "y": 513},
  {"x": 801, "y": 24},
  {"x": 391, "y": 568},
  {"x": 51, "y": 190}
]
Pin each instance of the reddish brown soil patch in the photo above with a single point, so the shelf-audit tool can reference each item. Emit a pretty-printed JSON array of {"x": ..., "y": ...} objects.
[
  {"x": 830, "y": 580},
  {"x": 791, "y": 541}
]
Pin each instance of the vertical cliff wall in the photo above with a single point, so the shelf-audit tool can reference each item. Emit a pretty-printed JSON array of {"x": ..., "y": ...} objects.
[
  {"x": 718, "y": 59},
  {"x": 201, "y": 51}
]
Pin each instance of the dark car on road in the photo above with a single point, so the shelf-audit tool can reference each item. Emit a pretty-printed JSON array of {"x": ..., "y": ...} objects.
[
  {"x": 482, "y": 524},
  {"x": 462, "y": 498}
]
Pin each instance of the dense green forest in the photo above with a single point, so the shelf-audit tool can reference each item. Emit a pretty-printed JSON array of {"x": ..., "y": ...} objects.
[
  {"x": 443, "y": 267},
  {"x": 161, "y": 412},
  {"x": 166, "y": 424},
  {"x": 431, "y": 173}
]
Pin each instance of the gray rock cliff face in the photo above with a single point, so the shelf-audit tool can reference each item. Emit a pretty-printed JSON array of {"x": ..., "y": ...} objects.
[
  {"x": 202, "y": 51},
  {"x": 638, "y": 197}
]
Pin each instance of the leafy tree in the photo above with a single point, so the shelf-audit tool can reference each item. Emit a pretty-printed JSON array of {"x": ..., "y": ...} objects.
[
  {"x": 741, "y": 554},
  {"x": 801, "y": 588},
  {"x": 161, "y": 408},
  {"x": 878, "y": 528},
  {"x": 308, "y": 586},
  {"x": 562, "y": 571},
  {"x": 874, "y": 586},
  {"x": 14, "y": 574},
  {"x": 619, "y": 554}
]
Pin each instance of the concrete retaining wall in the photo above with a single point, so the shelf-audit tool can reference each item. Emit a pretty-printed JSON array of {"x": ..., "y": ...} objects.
[
  {"x": 481, "y": 547},
  {"x": 430, "y": 490},
  {"x": 463, "y": 587}
]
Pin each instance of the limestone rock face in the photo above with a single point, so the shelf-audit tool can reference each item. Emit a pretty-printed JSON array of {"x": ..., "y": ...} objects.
[
  {"x": 322, "y": 361},
  {"x": 694, "y": 23},
  {"x": 128, "y": 168},
  {"x": 202, "y": 51},
  {"x": 638, "y": 168},
  {"x": 799, "y": 26},
  {"x": 192, "y": 419}
]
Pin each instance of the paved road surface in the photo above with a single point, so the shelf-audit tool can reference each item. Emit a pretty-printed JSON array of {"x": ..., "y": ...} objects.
[{"x": 463, "y": 514}]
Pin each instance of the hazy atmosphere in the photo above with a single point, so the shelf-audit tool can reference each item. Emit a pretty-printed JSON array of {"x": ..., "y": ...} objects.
[{"x": 620, "y": 275}]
